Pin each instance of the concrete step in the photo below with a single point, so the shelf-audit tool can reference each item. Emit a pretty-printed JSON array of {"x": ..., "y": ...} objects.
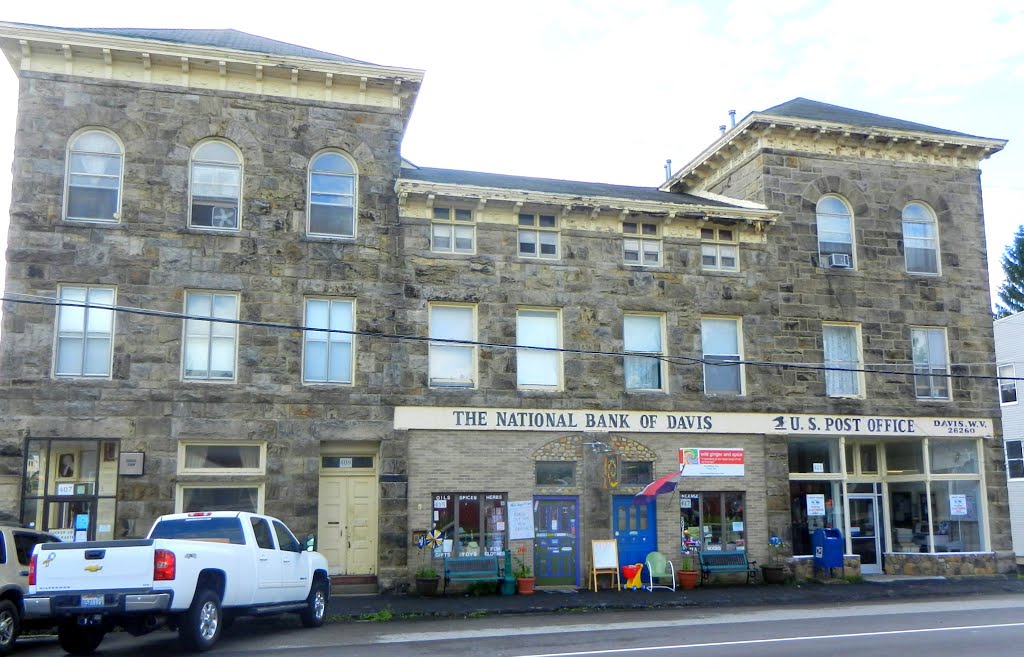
[{"x": 353, "y": 584}]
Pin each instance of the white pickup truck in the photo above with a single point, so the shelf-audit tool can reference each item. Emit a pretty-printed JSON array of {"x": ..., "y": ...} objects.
[{"x": 195, "y": 571}]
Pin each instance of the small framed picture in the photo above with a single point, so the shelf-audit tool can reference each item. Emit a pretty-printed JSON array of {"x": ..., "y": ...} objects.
[
  {"x": 67, "y": 464},
  {"x": 109, "y": 452}
]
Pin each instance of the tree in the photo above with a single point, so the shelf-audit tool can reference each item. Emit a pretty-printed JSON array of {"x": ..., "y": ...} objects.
[{"x": 1011, "y": 292}]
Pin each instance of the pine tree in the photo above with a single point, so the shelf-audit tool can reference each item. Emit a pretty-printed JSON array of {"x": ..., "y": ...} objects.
[{"x": 1011, "y": 292}]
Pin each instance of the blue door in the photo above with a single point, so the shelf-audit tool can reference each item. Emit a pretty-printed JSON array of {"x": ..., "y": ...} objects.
[
  {"x": 635, "y": 529},
  {"x": 556, "y": 541}
]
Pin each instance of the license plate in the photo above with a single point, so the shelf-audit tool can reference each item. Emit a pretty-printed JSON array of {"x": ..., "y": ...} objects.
[{"x": 92, "y": 601}]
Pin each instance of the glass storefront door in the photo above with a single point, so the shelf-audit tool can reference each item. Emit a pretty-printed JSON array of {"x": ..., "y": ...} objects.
[{"x": 864, "y": 532}]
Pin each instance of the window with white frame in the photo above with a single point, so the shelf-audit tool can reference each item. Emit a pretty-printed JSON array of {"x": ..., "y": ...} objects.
[
  {"x": 835, "y": 232},
  {"x": 641, "y": 244},
  {"x": 452, "y": 231},
  {"x": 643, "y": 341},
  {"x": 1014, "y": 459},
  {"x": 227, "y": 457},
  {"x": 85, "y": 331},
  {"x": 331, "y": 207},
  {"x": 192, "y": 498},
  {"x": 920, "y": 239},
  {"x": 842, "y": 355},
  {"x": 220, "y": 462},
  {"x": 452, "y": 365},
  {"x": 216, "y": 186},
  {"x": 1007, "y": 386},
  {"x": 538, "y": 235},
  {"x": 538, "y": 368},
  {"x": 210, "y": 346},
  {"x": 93, "y": 180},
  {"x": 718, "y": 249},
  {"x": 327, "y": 354},
  {"x": 720, "y": 340},
  {"x": 931, "y": 364}
]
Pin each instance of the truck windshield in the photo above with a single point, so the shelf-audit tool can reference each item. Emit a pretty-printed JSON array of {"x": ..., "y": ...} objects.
[{"x": 218, "y": 530}]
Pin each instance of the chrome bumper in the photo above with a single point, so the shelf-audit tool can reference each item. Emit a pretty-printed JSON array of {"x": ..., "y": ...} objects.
[{"x": 125, "y": 603}]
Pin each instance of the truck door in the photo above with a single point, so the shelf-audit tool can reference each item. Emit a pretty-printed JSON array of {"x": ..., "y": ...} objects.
[
  {"x": 294, "y": 569},
  {"x": 268, "y": 563}
]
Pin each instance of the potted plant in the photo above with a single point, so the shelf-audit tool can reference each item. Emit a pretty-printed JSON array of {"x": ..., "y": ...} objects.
[
  {"x": 687, "y": 572},
  {"x": 426, "y": 581},
  {"x": 774, "y": 572},
  {"x": 522, "y": 572}
]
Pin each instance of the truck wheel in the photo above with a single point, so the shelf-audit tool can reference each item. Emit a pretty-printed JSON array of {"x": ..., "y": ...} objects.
[
  {"x": 10, "y": 626},
  {"x": 80, "y": 639},
  {"x": 316, "y": 605},
  {"x": 202, "y": 623}
]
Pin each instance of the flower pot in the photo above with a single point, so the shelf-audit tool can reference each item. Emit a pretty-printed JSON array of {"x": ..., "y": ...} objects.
[
  {"x": 524, "y": 585},
  {"x": 687, "y": 579},
  {"x": 427, "y": 585},
  {"x": 773, "y": 574}
]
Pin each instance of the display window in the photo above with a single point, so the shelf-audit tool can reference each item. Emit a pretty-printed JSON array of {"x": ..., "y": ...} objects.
[
  {"x": 712, "y": 522},
  {"x": 471, "y": 524}
]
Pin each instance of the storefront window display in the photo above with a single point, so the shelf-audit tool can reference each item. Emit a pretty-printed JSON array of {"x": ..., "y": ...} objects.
[
  {"x": 814, "y": 505},
  {"x": 556, "y": 473},
  {"x": 717, "y": 520},
  {"x": 471, "y": 524},
  {"x": 955, "y": 525}
]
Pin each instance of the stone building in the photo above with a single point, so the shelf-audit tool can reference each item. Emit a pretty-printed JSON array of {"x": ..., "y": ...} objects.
[{"x": 795, "y": 316}]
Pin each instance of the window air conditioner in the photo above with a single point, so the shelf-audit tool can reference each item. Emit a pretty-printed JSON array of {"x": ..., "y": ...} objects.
[{"x": 838, "y": 261}]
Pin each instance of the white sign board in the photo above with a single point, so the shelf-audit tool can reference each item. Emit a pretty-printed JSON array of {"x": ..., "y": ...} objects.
[
  {"x": 65, "y": 489},
  {"x": 131, "y": 463},
  {"x": 63, "y": 535},
  {"x": 713, "y": 462},
  {"x": 958, "y": 505},
  {"x": 815, "y": 505},
  {"x": 520, "y": 520}
]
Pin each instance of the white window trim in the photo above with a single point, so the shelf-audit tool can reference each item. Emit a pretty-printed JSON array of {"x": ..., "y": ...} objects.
[
  {"x": 56, "y": 335},
  {"x": 662, "y": 365},
  {"x": 718, "y": 243},
  {"x": 472, "y": 385},
  {"x": 999, "y": 384},
  {"x": 538, "y": 229},
  {"x": 241, "y": 184},
  {"x": 945, "y": 343},
  {"x": 859, "y": 365},
  {"x": 641, "y": 240},
  {"x": 179, "y": 491},
  {"x": 739, "y": 348},
  {"x": 452, "y": 224},
  {"x": 355, "y": 196},
  {"x": 183, "y": 468},
  {"x": 184, "y": 336},
  {"x": 67, "y": 177},
  {"x": 853, "y": 231},
  {"x": 935, "y": 227},
  {"x": 352, "y": 341},
  {"x": 560, "y": 364}
]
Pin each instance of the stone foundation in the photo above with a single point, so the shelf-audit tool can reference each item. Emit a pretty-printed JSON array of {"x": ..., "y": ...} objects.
[
  {"x": 801, "y": 568},
  {"x": 950, "y": 564}
]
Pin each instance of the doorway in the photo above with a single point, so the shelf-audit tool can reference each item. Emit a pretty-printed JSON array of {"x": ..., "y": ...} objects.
[
  {"x": 865, "y": 537},
  {"x": 634, "y": 528},
  {"x": 556, "y": 541},
  {"x": 347, "y": 515}
]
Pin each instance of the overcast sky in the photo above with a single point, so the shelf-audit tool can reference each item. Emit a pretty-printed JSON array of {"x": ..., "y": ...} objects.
[{"x": 606, "y": 91}]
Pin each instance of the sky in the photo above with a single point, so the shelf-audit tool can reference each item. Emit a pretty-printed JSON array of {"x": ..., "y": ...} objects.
[{"x": 607, "y": 90}]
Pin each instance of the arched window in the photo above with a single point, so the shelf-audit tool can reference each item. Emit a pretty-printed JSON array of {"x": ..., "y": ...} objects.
[
  {"x": 216, "y": 186},
  {"x": 94, "y": 177},
  {"x": 920, "y": 239},
  {"x": 835, "y": 233},
  {"x": 331, "y": 207}
]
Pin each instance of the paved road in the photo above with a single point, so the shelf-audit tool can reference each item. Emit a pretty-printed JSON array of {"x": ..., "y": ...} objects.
[{"x": 974, "y": 626}]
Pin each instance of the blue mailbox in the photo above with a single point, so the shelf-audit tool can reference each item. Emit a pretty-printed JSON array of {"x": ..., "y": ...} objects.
[{"x": 828, "y": 548}]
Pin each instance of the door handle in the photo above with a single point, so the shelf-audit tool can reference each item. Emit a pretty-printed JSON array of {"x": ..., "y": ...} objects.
[
  {"x": 23, "y": 573},
  {"x": 263, "y": 559}
]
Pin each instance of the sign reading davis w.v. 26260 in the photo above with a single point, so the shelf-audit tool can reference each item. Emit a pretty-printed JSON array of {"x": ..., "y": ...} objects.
[{"x": 516, "y": 419}]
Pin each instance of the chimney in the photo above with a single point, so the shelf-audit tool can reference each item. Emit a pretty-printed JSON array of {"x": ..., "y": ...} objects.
[
  {"x": 721, "y": 128},
  {"x": 732, "y": 118},
  {"x": 668, "y": 169}
]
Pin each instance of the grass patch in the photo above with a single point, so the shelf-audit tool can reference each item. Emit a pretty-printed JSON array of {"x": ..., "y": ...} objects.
[{"x": 382, "y": 616}]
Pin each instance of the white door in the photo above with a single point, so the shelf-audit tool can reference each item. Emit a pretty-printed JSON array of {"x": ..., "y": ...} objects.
[
  {"x": 294, "y": 567},
  {"x": 347, "y": 524},
  {"x": 865, "y": 534},
  {"x": 268, "y": 563}
]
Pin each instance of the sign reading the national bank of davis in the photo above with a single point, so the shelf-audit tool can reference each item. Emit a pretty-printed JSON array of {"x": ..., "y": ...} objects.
[
  {"x": 685, "y": 422},
  {"x": 711, "y": 462}
]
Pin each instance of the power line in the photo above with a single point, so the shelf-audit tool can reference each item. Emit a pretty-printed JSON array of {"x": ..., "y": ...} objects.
[{"x": 39, "y": 300}]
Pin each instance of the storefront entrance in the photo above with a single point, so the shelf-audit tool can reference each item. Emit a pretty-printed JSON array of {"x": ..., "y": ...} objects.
[
  {"x": 347, "y": 519},
  {"x": 634, "y": 528},
  {"x": 865, "y": 538},
  {"x": 556, "y": 541}
]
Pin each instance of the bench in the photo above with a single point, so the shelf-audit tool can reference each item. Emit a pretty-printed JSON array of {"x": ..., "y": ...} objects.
[
  {"x": 471, "y": 569},
  {"x": 714, "y": 563}
]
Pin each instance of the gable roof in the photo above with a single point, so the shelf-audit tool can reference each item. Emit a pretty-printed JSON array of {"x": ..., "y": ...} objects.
[{"x": 813, "y": 110}]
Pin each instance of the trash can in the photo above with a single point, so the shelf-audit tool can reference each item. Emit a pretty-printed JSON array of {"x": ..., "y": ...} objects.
[{"x": 828, "y": 548}]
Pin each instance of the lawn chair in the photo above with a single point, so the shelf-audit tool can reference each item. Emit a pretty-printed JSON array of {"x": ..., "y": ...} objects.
[{"x": 658, "y": 567}]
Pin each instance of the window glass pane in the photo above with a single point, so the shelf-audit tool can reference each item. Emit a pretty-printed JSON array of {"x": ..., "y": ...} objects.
[
  {"x": 537, "y": 329},
  {"x": 220, "y": 499},
  {"x": 725, "y": 235},
  {"x": 96, "y": 142},
  {"x": 904, "y": 458},
  {"x": 707, "y": 234},
  {"x": 907, "y": 502},
  {"x": 720, "y": 377},
  {"x": 630, "y": 228},
  {"x": 72, "y": 318},
  {"x": 91, "y": 203},
  {"x": 528, "y": 242},
  {"x": 642, "y": 333},
  {"x": 215, "y": 151},
  {"x": 720, "y": 336},
  {"x": 842, "y": 353},
  {"x": 331, "y": 219},
  {"x": 953, "y": 456},
  {"x": 547, "y": 221},
  {"x": 636, "y": 472},
  {"x": 261, "y": 531},
  {"x": 332, "y": 162},
  {"x": 548, "y": 243},
  {"x": 642, "y": 373},
  {"x": 97, "y": 356},
  {"x": 69, "y": 355},
  {"x": 814, "y": 456},
  {"x": 463, "y": 215},
  {"x": 804, "y": 524},
  {"x": 463, "y": 238},
  {"x": 317, "y": 314},
  {"x": 332, "y": 185},
  {"x": 1014, "y": 449},
  {"x": 441, "y": 237},
  {"x": 105, "y": 168},
  {"x": 831, "y": 205},
  {"x": 315, "y": 367},
  {"x": 556, "y": 473},
  {"x": 956, "y": 523},
  {"x": 451, "y": 322},
  {"x": 221, "y": 457},
  {"x": 527, "y": 220}
]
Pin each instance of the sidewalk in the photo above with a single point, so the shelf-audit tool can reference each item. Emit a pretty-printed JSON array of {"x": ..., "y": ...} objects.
[{"x": 739, "y": 595}]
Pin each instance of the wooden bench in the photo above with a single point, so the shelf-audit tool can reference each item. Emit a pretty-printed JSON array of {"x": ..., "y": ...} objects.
[
  {"x": 714, "y": 563},
  {"x": 471, "y": 569}
]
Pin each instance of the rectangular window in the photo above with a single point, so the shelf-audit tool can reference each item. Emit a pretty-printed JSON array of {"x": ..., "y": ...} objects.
[
  {"x": 636, "y": 473},
  {"x": 1014, "y": 459},
  {"x": 210, "y": 347},
  {"x": 471, "y": 524},
  {"x": 712, "y": 521},
  {"x": 931, "y": 366},
  {"x": 191, "y": 498},
  {"x": 327, "y": 356},
  {"x": 720, "y": 339},
  {"x": 643, "y": 334},
  {"x": 556, "y": 473},
  {"x": 538, "y": 236},
  {"x": 813, "y": 455},
  {"x": 718, "y": 249},
  {"x": 452, "y": 365},
  {"x": 228, "y": 458},
  {"x": 452, "y": 231},
  {"x": 641, "y": 244},
  {"x": 538, "y": 368},
  {"x": 842, "y": 352},
  {"x": 220, "y": 463},
  {"x": 85, "y": 335},
  {"x": 1007, "y": 389}
]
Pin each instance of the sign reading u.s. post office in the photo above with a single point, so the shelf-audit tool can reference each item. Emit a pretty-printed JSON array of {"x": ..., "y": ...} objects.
[{"x": 686, "y": 422}]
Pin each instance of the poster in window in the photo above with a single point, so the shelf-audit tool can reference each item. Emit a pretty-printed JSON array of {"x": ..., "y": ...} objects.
[
  {"x": 958, "y": 505},
  {"x": 816, "y": 505},
  {"x": 520, "y": 520},
  {"x": 66, "y": 463}
]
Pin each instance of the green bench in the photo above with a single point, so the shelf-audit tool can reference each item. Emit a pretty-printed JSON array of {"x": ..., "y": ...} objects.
[
  {"x": 715, "y": 563},
  {"x": 471, "y": 569}
]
